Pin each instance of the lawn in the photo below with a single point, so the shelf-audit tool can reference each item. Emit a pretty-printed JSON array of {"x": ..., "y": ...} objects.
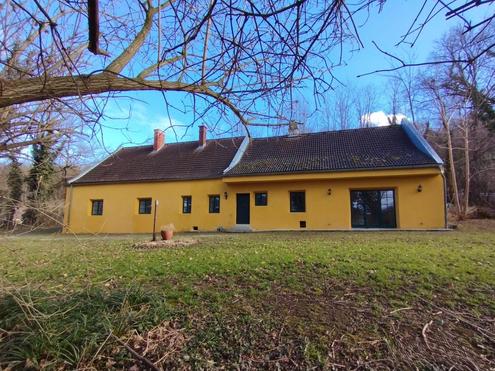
[{"x": 268, "y": 300}]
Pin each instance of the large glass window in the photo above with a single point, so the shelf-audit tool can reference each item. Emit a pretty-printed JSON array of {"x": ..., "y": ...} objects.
[
  {"x": 214, "y": 204},
  {"x": 373, "y": 209},
  {"x": 186, "y": 204},
  {"x": 145, "y": 206},
  {"x": 297, "y": 202},
  {"x": 96, "y": 207}
]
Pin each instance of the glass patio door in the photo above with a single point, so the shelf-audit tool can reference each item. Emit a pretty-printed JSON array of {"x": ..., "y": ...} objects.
[{"x": 373, "y": 209}]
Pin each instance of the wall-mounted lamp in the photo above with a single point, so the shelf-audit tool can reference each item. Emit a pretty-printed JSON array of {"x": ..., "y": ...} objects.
[
  {"x": 329, "y": 192},
  {"x": 225, "y": 195},
  {"x": 420, "y": 188}
]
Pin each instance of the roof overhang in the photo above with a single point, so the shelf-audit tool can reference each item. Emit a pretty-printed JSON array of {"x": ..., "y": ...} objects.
[
  {"x": 83, "y": 173},
  {"x": 421, "y": 143},
  {"x": 427, "y": 170}
]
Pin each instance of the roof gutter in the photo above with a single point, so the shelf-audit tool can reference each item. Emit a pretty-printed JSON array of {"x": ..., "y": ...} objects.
[
  {"x": 66, "y": 226},
  {"x": 445, "y": 210}
]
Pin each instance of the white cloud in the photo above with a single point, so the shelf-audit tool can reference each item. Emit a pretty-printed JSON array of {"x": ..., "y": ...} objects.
[
  {"x": 379, "y": 118},
  {"x": 146, "y": 122},
  {"x": 140, "y": 115}
]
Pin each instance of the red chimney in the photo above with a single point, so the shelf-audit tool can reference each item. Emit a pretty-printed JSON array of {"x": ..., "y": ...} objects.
[
  {"x": 202, "y": 135},
  {"x": 159, "y": 140}
]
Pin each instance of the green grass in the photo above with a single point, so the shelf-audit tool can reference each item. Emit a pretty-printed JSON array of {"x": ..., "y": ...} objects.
[{"x": 253, "y": 300}]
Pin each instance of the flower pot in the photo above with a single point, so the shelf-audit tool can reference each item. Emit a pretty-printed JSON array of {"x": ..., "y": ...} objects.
[{"x": 167, "y": 235}]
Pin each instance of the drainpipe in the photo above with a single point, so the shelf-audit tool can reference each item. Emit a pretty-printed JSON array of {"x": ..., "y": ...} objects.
[{"x": 442, "y": 171}]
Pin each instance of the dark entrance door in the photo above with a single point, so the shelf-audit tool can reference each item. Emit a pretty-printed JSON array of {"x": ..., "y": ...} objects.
[
  {"x": 373, "y": 209},
  {"x": 242, "y": 214}
]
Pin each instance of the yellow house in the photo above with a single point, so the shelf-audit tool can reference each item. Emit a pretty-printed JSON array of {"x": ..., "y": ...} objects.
[{"x": 381, "y": 177}]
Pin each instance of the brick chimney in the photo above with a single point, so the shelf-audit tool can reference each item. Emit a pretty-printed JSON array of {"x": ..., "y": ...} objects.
[
  {"x": 159, "y": 140},
  {"x": 202, "y": 135}
]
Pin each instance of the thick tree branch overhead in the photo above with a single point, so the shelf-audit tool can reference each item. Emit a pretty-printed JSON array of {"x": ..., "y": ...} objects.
[
  {"x": 244, "y": 55},
  {"x": 238, "y": 52}
]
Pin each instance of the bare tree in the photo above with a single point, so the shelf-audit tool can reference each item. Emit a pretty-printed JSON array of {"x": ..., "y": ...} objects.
[
  {"x": 338, "y": 111},
  {"x": 405, "y": 93},
  {"x": 431, "y": 87},
  {"x": 347, "y": 107},
  {"x": 474, "y": 83},
  {"x": 460, "y": 10},
  {"x": 365, "y": 102},
  {"x": 464, "y": 96},
  {"x": 23, "y": 54},
  {"x": 394, "y": 101},
  {"x": 226, "y": 54}
]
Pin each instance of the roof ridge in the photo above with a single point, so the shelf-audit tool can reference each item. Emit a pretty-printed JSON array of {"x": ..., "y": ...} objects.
[
  {"x": 329, "y": 131},
  {"x": 268, "y": 137},
  {"x": 175, "y": 143}
]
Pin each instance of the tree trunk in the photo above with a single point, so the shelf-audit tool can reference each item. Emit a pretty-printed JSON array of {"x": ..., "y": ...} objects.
[
  {"x": 453, "y": 176},
  {"x": 467, "y": 170}
]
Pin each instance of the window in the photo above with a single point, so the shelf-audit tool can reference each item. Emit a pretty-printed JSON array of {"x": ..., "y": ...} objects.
[
  {"x": 214, "y": 204},
  {"x": 145, "y": 206},
  {"x": 96, "y": 207},
  {"x": 261, "y": 198},
  {"x": 302, "y": 224},
  {"x": 186, "y": 204},
  {"x": 297, "y": 202},
  {"x": 373, "y": 209}
]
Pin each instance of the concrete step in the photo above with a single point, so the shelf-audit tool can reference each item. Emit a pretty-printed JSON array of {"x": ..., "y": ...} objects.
[{"x": 241, "y": 228}]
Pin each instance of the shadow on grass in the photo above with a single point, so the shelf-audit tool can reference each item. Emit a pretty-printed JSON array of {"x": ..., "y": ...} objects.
[
  {"x": 229, "y": 322},
  {"x": 39, "y": 328}
]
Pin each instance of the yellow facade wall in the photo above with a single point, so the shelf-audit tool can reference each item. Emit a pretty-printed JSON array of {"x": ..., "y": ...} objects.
[{"x": 414, "y": 210}]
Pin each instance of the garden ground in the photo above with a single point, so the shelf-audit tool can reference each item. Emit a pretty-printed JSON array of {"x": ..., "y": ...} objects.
[{"x": 265, "y": 300}]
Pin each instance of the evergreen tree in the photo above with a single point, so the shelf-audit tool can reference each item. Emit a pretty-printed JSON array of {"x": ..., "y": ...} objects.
[
  {"x": 15, "y": 180},
  {"x": 40, "y": 179},
  {"x": 15, "y": 183}
]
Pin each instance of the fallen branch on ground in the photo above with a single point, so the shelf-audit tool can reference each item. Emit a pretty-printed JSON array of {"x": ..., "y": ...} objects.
[
  {"x": 136, "y": 355},
  {"x": 425, "y": 328}
]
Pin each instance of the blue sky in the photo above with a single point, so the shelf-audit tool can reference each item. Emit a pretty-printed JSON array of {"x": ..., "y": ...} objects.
[{"x": 133, "y": 121}]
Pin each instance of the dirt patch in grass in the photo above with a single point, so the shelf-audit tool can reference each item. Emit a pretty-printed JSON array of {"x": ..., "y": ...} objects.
[
  {"x": 339, "y": 324},
  {"x": 165, "y": 244},
  {"x": 355, "y": 327}
]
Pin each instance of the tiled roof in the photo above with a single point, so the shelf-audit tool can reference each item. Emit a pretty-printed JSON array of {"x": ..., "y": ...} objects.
[
  {"x": 368, "y": 148},
  {"x": 175, "y": 161}
]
